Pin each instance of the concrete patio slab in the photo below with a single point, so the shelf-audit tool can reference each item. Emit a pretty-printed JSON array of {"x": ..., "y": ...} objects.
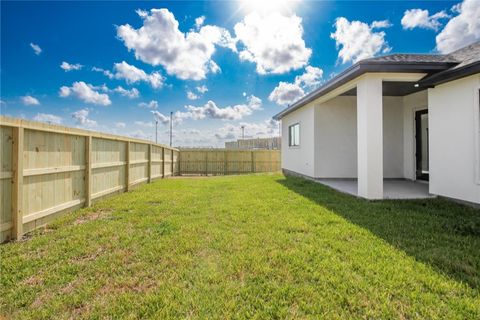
[{"x": 392, "y": 188}]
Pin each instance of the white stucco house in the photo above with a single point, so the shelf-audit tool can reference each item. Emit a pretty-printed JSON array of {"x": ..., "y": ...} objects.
[{"x": 397, "y": 126}]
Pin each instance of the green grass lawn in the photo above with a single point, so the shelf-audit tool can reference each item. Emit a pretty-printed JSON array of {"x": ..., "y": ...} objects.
[{"x": 258, "y": 246}]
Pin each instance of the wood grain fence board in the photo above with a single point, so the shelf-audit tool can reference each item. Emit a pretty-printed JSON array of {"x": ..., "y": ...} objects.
[
  {"x": 6, "y": 158},
  {"x": 17, "y": 185},
  {"x": 48, "y": 170},
  {"x": 88, "y": 171}
]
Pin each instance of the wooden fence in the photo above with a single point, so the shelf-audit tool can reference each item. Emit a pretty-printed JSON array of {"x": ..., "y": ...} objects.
[
  {"x": 273, "y": 143},
  {"x": 48, "y": 169},
  {"x": 224, "y": 162}
]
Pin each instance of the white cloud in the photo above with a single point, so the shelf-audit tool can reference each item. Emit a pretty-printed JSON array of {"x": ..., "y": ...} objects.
[
  {"x": 48, "y": 118},
  {"x": 144, "y": 124},
  {"x": 120, "y": 125},
  {"x": 36, "y": 48},
  {"x": 274, "y": 42},
  {"x": 69, "y": 67},
  {"x": 202, "y": 89},
  {"x": 81, "y": 117},
  {"x": 211, "y": 111},
  {"x": 199, "y": 22},
  {"x": 381, "y": 24},
  {"x": 107, "y": 73},
  {"x": 192, "y": 96},
  {"x": 418, "y": 18},
  {"x": 229, "y": 135},
  {"x": 160, "y": 42},
  {"x": 85, "y": 92},
  {"x": 310, "y": 78},
  {"x": 216, "y": 136},
  {"x": 462, "y": 29},
  {"x": 287, "y": 93},
  {"x": 267, "y": 128},
  {"x": 213, "y": 67},
  {"x": 153, "y": 104},
  {"x": 358, "y": 40},
  {"x": 30, "y": 101},
  {"x": 160, "y": 117},
  {"x": 132, "y": 74},
  {"x": 139, "y": 134},
  {"x": 132, "y": 93}
]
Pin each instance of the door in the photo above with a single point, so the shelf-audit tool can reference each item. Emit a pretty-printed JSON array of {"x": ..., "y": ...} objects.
[{"x": 421, "y": 142}]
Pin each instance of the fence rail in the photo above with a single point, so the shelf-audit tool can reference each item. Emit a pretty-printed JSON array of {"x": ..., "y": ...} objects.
[
  {"x": 49, "y": 169},
  {"x": 224, "y": 161}
]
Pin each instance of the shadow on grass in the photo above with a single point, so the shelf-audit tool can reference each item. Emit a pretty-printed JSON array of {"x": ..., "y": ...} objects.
[{"x": 441, "y": 233}]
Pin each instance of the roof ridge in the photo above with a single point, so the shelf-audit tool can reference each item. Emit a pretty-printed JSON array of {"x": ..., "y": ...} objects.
[{"x": 473, "y": 44}]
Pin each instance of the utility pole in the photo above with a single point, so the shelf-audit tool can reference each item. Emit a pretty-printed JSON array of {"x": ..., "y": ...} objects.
[
  {"x": 156, "y": 131},
  {"x": 243, "y": 132},
  {"x": 171, "y": 122}
]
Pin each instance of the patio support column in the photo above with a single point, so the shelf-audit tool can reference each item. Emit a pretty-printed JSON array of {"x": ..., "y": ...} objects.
[{"x": 370, "y": 137}]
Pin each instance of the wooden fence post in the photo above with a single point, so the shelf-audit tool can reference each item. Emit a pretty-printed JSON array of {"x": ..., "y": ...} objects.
[
  {"x": 225, "y": 162},
  {"x": 88, "y": 171},
  {"x": 171, "y": 160},
  {"x": 149, "y": 163},
  {"x": 17, "y": 179},
  {"x": 206, "y": 163},
  {"x": 179, "y": 161},
  {"x": 127, "y": 171},
  {"x": 163, "y": 162},
  {"x": 253, "y": 161}
]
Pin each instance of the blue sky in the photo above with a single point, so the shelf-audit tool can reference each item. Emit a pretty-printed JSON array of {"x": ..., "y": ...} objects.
[{"x": 129, "y": 63}]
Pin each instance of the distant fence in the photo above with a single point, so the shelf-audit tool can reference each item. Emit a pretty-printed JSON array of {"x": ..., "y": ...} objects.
[
  {"x": 224, "y": 161},
  {"x": 49, "y": 169},
  {"x": 272, "y": 143}
]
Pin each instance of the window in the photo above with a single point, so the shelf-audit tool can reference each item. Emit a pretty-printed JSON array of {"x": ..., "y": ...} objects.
[{"x": 294, "y": 135}]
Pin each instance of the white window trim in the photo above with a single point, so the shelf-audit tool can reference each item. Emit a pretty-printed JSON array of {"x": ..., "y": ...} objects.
[{"x": 299, "y": 135}]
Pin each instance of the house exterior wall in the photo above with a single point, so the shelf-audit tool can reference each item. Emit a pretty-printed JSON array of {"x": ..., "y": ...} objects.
[
  {"x": 336, "y": 138},
  {"x": 411, "y": 103},
  {"x": 453, "y": 143},
  {"x": 299, "y": 159},
  {"x": 393, "y": 127}
]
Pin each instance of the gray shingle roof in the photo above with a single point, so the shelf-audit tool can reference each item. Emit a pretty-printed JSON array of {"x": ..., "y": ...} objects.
[
  {"x": 466, "y": 55},
  {"x": 416, "y": 58},
  {"x": 462, "y": 56}
]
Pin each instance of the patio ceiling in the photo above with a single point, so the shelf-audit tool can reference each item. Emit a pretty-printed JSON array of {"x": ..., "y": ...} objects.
[{"x": 391, "y": 88}]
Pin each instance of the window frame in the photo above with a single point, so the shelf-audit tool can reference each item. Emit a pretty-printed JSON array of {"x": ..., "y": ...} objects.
[{"x": 291, "y": 139}]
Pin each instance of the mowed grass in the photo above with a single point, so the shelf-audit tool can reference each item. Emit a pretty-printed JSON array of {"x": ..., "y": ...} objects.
[{"x": 258, "y": 246}]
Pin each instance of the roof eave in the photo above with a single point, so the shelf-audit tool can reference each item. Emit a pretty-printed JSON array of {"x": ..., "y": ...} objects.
[
  {"x": 450, "y": 75},
  {"x": 359, "y": 69}
]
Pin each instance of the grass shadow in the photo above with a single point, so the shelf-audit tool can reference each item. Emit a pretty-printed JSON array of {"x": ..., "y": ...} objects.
[{"x": 441, "y": 233}]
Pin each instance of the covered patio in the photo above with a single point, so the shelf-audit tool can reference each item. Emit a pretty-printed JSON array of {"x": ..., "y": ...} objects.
[
  {"x": 392, "y": 188},
  {"x": 366, "y": 138}
]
